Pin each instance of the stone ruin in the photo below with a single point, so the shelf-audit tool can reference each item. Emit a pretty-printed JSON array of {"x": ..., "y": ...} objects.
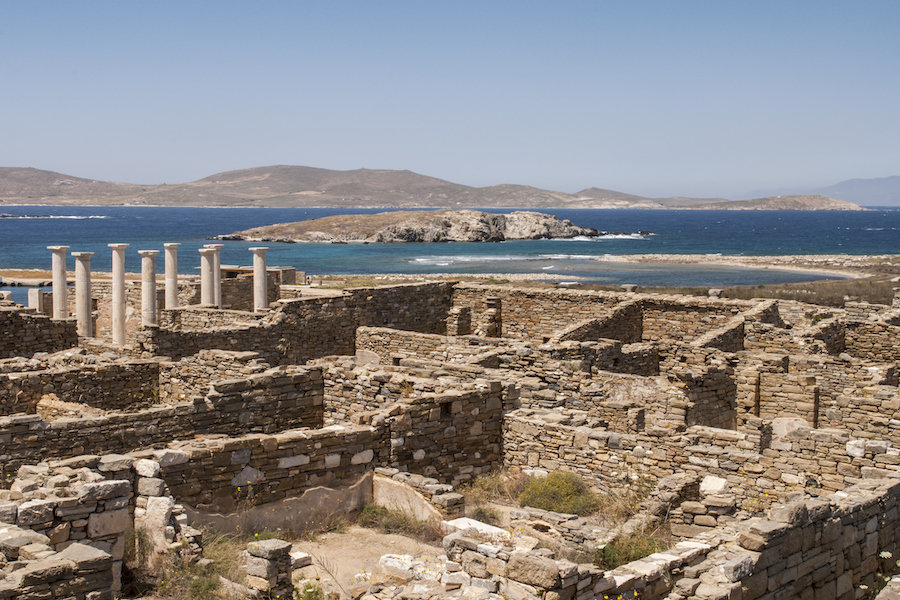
[{"x": 767, "y": 430}]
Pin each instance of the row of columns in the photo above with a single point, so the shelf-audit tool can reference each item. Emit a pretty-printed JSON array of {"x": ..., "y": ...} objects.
[{"x": 210, "y": 284}]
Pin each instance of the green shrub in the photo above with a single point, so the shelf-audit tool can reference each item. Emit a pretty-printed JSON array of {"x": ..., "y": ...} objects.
[
  {"x": 560, "y": 491},
  {"x": 624, "y": 549}
]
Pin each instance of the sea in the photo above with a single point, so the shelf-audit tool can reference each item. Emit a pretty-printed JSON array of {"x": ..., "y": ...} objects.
[{"x": 25, "y": 236}]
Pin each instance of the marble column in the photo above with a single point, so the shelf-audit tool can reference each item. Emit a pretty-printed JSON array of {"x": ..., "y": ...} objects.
[
  {"x": 60, "y": 291},
  {"x": 171, "y": 275},
  {"x": 148, "y": 287},
  {"x": 83, "y": 305},
  {"x": 118, "y": 293},
  {"x": 217, "y": 273},
  {"x": 260, "y": 288},
  {"x": 207, "y": 295}
]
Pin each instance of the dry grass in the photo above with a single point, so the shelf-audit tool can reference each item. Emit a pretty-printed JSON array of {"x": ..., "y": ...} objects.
[
  {"x": 626, "y": 548},
  {"x": 831, "y": 292},
  {"x": 618, "y": 505},
  {"x": 173, "y": 578},
  {"x": 500, "y": 486},
  {"x": 562, "y": 492},
  {"x": 389, "y": 520}
]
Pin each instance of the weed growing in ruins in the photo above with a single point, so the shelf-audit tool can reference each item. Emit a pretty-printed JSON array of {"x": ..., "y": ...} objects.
[
  {"x": 560, "y": 491},
  {"x": 620, "y": 504},
  {"x": 309, "y": 590},
  {"x": 626, "y": 548},
  {"x": 182, "y": 580},
  {"x": 486, "y": 514},
  {"x": 395, "y": 521},
  {"x": 500, "y": 486}
]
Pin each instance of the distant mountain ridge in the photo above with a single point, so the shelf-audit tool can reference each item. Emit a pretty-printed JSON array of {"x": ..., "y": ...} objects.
[
  {"x": 298, "y": 186},
  {"x": 875, "y": 191}
]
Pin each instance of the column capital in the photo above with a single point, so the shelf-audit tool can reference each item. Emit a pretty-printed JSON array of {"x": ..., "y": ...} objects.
[
  {"x": 148, "y": 252},
  {"x": 171, "y": 245},
  {"x": 206, "y": 250},
  {"x": 118, "y": 246},
  {"x": 58, "y": 248},
  {"x": 260, "y": 249},
  {"x": 82, "y": 254}
]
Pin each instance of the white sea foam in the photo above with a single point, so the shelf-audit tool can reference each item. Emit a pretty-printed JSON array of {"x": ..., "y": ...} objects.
[
  {"x": 604, "y": 237},
  {"x": 466, "y": 258},
  {"x": 566, "y": 257},
  {"x": 79, "y": 217}
]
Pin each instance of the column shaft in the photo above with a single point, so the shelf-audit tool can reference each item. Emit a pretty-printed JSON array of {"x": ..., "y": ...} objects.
[
  {"x": 118, "y": 293},
  {"x": 171, "y": 275},
  {"x": 83, "y": 305},
  {"x": 217, "y": 273},
  {"x": 207, "y": 296},
  {"x": 148, "y": 287},
  {"x": 60, "y": 291},
  {"x": 260, "y": 282}
]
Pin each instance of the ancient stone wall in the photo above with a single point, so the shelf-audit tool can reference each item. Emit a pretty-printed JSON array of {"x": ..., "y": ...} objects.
[
  {"x": 109, "y": 386},
  {"x": 533, "y": 314},
  {"x": 831, "y": 548},
  {"x": 624, "y": 323},
  {"x": 202, "y": 318},
  {"x": 874, "y": 340},
  {"x": 191, "y": 376},
  {"x": 352, "y": 390},
  {"x": 683, "y": 321},
  {"x": 300, "y": 330},
  {"x": 282, "y": 398},
  {"x": 23, "y": 333},
  {"x": 223, "y": 474},
  {"x": 392, "y": 344},
  {"x": 237, "y": 292},
  {"x": 452, "y": 437}
]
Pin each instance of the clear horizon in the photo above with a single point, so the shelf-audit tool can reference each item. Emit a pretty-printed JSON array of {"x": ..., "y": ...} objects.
[{"x": 651, "y": 98}]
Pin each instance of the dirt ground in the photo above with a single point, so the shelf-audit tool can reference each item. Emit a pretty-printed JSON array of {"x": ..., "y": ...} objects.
[{"x": 343, "y": 555}]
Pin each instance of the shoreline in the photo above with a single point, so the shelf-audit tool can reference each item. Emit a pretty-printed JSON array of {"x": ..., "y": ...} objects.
[
  {"x": 848, "y": 266},
  {"x": 839, "y": 265}
]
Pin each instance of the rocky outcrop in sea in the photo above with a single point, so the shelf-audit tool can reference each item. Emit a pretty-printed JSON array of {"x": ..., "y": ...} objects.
[{"x": 418, "y": 226}]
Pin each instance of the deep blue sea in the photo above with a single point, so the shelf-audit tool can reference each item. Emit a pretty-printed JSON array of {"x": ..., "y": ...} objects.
[{"x": 23, "y": 242}]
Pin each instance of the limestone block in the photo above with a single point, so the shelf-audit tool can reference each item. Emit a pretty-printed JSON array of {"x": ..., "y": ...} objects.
[
  {"x": 43, "y": 571},
  {"x": 362, "y": 458},
  {"x": 151, "y": 486},
  {"x": 247, "y": 476},
  {"x": 533, "y": 570},
  {"x": 108, "y": 523},
  {"x": 712, "y": 485},
  {"x": 289, "y": 462},
  {"x": 300, "y": 560},
  {"x": 170, "y": 458},
  {"x": 114, "y": 462},
  {"x": 146, "y": 467},
  {"x": 8, "y": 511},
  {"x": 86, "y": 558},
  {"x": 102, "y": 490},
  {"x": 34, "y": 512},
  {"x": 270, "y": 549}
]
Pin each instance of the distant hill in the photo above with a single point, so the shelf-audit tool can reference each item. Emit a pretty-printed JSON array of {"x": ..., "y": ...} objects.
[
  {"x": 296, "y": 186},
  {"x": 781, "y": 203},
  {"x": 879, "y": 191}
]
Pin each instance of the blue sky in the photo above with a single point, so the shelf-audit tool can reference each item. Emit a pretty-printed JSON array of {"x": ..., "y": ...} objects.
[{"x": 657, "y": 98}]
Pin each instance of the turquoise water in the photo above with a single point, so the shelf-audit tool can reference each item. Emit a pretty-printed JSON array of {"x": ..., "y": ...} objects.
[{"x": 23, "y": 242}]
